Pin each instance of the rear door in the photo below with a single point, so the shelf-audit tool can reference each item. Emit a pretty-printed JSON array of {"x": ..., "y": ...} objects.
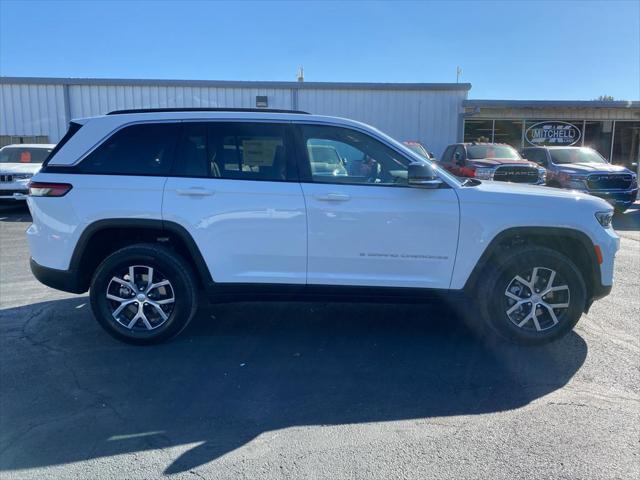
[{"x": 235, "y": 189}]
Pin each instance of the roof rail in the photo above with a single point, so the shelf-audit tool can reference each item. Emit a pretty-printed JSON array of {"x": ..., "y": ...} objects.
[{"x": 205, "y": 109}]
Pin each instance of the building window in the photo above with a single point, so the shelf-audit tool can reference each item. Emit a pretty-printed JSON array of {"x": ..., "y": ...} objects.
[
  {"x": 626, "y": 143},
  {"x": 478, "y": 130},
  {"x": 597, "y": 135},
  {"x": 509, "y": 132}
]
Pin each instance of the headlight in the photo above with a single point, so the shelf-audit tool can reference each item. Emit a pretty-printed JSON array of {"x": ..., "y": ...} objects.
[
  {"x": 604, "y": 218},
  {"x": 542, "y": 175},
  {"x": 484, "y": 173},
  {"x": 577, "y": 182}
]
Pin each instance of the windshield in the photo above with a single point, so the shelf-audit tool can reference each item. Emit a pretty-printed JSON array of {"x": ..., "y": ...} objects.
[
  {"x": 561, "y": 156},
  {"x": 478, "y": 152},
  {"x": 24, "y": 155}
]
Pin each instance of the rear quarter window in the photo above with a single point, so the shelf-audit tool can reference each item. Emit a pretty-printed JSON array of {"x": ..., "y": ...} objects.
[{"x": 145, "y": 149}]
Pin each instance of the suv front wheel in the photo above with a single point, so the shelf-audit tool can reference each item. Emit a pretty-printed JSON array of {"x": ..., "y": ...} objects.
[
  {"x": 143, "y": 294},
  {"x": 534, "y": 295}
]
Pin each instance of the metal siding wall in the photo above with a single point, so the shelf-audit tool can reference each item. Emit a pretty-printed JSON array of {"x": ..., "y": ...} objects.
[
  {"x": 91, "y": 100},
  {"x": 425, "y": 115},
  {"x": 32, "y": 110}
]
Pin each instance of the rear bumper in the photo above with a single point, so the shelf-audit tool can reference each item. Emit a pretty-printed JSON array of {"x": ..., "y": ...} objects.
[{"x": 65, "y": 280}]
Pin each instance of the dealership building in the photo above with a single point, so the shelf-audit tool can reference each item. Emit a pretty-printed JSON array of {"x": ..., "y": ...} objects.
[{"x": 38, "y": 110}]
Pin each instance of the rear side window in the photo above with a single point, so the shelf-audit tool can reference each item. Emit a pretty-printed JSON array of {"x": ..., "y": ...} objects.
[
  {"x": 239, "y": 151},
  {"x": 136, "y": 150},
  {"x": 73, "y": 129}
]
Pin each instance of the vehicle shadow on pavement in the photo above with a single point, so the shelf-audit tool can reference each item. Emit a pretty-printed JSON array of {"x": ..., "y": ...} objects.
[
  {"x": 71, "y": 393},
  {"x": 14, "y": 212}
]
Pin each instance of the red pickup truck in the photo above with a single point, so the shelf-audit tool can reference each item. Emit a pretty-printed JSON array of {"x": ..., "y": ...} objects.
[{"x": 491, "y": 161}]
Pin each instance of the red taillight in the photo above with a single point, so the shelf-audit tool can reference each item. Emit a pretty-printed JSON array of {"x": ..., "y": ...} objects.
[{"x": 40, "y": 189}]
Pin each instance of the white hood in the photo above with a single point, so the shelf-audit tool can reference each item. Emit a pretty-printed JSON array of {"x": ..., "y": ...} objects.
[{"x": 12, "y": 168}]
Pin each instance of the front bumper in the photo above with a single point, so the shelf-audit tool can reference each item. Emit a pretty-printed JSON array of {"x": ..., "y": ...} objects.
[
  {"x": 13, "y": 192},
  {"x": 617, "y": 198}
]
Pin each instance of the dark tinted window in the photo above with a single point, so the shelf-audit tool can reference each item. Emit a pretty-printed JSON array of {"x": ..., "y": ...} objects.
[
  {"x": 448, "y": 154},
  {"x": 241, "y": 151},
  {"x": 191, "y": 156},
  {"x": 136, "y": 150},
  {"x": 458, "y": 154},
  {"x": 247, "y": 151},
  {"x": 538, "y": 156}
]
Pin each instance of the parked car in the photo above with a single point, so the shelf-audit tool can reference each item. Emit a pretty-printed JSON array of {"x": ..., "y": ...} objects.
[
  {"x": 419, "y": 148},
  {"x": 150, "y": 214},
  {"x": 18, "y": 163},
  {"x": 325, "y": 160},
  {"x": 491, "y": 161},
  {"x": 584, "y": 169}
]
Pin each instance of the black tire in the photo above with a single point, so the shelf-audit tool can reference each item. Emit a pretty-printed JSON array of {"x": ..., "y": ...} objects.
[
  {"x": 167, "y": 266},
  {"x": 494, "y": 304}
]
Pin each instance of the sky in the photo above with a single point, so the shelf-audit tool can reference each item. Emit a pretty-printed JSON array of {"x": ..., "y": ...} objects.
[{"x": 530, "y": 50}]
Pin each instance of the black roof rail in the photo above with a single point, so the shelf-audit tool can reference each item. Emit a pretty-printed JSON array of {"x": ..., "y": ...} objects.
[{"x": 204, "y": 109}]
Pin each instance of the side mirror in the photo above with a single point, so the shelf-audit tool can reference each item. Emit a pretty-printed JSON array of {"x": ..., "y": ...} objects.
[
  {"x": 422, "y": 175},
  {"x": 458, "y": 158}
]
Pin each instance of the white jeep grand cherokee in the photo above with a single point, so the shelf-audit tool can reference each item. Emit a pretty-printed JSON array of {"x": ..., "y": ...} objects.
[{"x": 150, "y": 208}]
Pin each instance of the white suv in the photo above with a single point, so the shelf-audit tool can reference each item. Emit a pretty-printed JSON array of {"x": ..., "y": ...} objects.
[{"x": 151, "y": 208}]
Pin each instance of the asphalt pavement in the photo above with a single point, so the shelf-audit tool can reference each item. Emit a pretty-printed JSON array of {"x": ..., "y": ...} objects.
[{"x": 317, "y": 391}]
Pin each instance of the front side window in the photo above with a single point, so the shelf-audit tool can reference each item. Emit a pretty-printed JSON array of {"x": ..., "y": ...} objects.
[
  {"x": 342, "y": 155},
  {"x": 480, "y": 152},
  {"x": 145, "y": 149},
  {"x": 447, "y": 156},
  {"x": 538, "y": 156},
  {"x": 561, "y": 156}
]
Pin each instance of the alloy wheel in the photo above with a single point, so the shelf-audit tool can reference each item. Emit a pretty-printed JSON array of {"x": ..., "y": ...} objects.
[
  {"x": 140, "y": 298},
  {"x": 537, "y": 300}
]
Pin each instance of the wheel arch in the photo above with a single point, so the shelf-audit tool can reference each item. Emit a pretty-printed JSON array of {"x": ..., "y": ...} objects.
[
  {"x": 103, "y": 237},
  {"x": 574, "y": 244}
]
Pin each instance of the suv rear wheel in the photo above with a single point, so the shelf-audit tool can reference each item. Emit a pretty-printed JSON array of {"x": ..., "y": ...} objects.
[
  {"x": 143, "y": 294},
  {"x": 533, "y": 296}
]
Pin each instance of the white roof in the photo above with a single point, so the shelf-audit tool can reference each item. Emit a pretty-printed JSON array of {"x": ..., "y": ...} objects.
[{"x": 47, "y": 146}]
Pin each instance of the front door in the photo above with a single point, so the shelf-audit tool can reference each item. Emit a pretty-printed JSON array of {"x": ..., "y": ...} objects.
[{"x": 366, "y": 226}]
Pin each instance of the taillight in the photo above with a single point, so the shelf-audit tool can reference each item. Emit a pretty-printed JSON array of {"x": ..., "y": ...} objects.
[{"x": 40, "y": 189}]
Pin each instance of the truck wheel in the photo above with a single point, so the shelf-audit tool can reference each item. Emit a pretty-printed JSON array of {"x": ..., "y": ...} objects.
[
  {"x": 534, "y": 295},
  {"x": 143, "y": 294}
]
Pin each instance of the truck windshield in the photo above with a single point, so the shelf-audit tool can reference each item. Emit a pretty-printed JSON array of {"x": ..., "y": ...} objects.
[
  {"x": 478, "y": 152},
  {"x": 561, "y": 156}
]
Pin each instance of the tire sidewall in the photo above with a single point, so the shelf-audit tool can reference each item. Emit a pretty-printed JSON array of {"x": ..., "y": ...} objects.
[
  {"x": 161, "y": 260},
  {"x": 525, "y": 262}
]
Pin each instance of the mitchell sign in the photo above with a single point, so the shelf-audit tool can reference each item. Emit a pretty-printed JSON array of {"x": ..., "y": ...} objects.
[{"x": 553, "y": 133}]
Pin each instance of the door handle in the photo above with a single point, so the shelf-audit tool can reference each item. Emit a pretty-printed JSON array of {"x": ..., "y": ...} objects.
[
  {"x": 333, "y": 197},
  {"x": 194, "y": 192}
]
